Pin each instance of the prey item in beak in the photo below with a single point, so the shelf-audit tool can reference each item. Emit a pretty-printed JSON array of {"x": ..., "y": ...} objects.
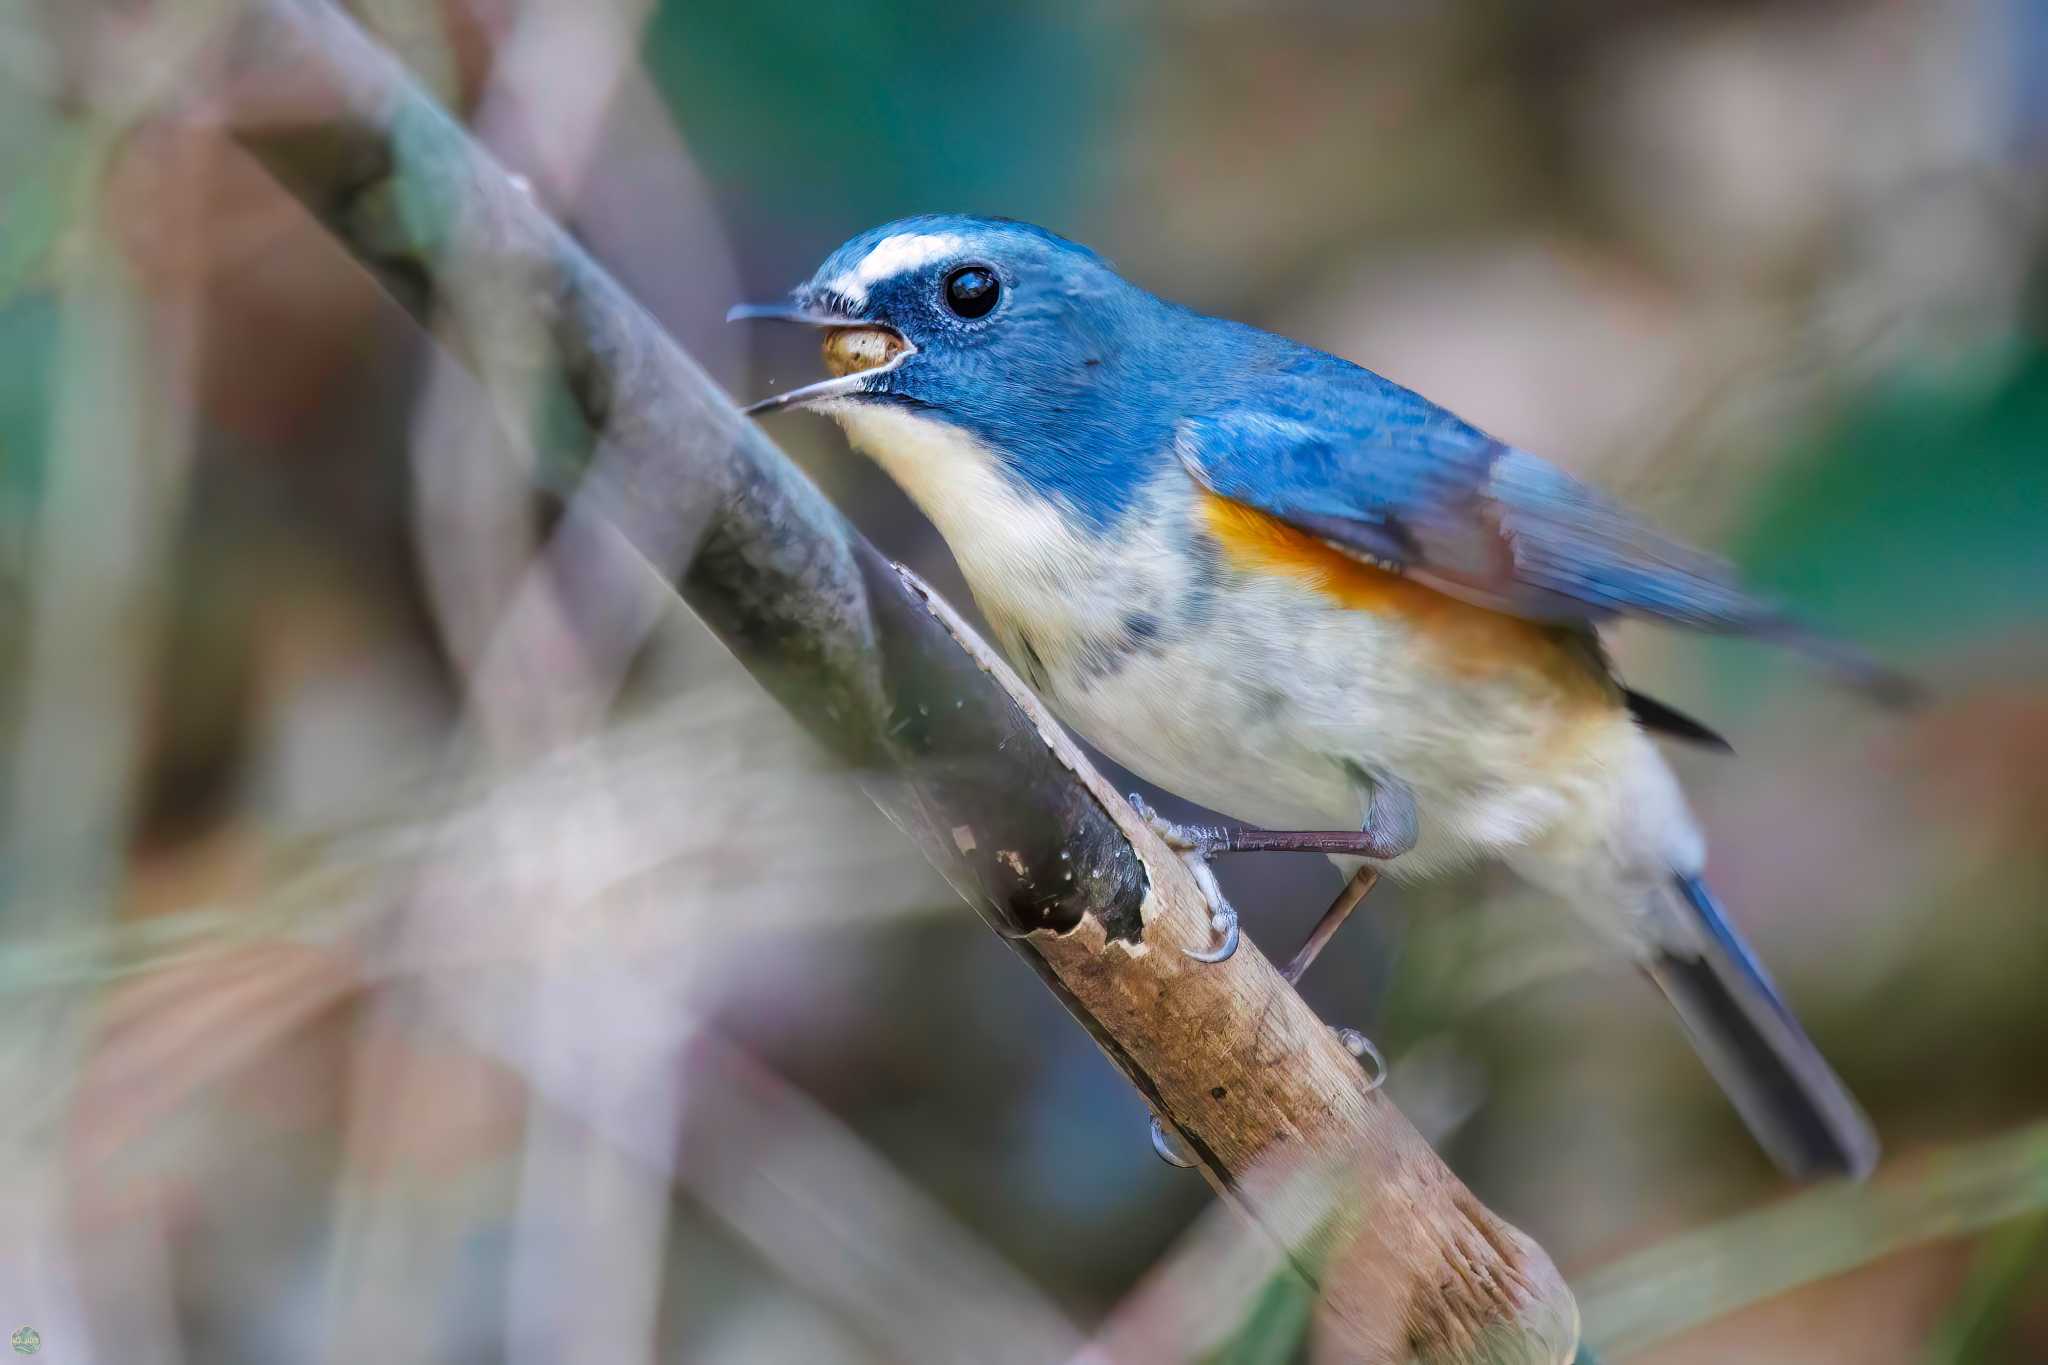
[{"x": 854, "y": 349}]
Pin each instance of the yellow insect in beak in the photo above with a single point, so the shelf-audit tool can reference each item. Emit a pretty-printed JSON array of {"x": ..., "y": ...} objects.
[{"x": 851, "y": 350}]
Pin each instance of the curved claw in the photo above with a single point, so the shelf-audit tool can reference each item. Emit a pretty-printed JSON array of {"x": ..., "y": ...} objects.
[
  {"x": 1227, "y": 925},
  {"x": 1171, "y": 1150},
  {"x": 1222, "y": 915},
  {"x": 1363, "y": 1048}
]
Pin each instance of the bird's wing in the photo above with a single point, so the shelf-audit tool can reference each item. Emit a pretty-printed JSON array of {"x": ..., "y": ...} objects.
[{"x": 1381, "y": 473}]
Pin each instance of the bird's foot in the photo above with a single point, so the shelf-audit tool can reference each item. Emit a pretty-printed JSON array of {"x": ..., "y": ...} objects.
[
  {"x": 1368, "y": 1054},
  {"x": 1393, "y": 830},
  {"x": 1207, "y": 840},
  {"x": 1388, "y": 832},
  {"x": 1171, "y": 1147},
  {"x": 1196, "y": 844}
]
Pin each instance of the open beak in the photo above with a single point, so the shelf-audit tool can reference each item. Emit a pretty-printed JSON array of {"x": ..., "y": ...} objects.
[{"x": 855, "y": 349}]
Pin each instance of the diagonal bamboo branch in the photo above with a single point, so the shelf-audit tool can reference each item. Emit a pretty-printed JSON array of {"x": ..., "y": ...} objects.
[{"x": 946, "y": 739}]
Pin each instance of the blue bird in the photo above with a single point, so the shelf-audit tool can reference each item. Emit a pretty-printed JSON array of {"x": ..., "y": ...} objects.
[{"x": 1289, "y": 589}]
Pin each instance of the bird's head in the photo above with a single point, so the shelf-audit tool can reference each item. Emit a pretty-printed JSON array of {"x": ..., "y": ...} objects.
[{"x": 1009, "y": 342}]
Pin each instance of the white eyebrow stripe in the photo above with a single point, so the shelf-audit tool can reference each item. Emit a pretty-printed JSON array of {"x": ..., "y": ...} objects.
[{"x": 893, "y": 256}]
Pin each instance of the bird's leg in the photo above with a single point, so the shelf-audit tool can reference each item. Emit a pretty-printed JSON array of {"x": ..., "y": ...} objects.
[
  {"x": 1387, "y": 832},
  {"x": 1355, "y": 891},
  {"x": 1389, "y": 823}
]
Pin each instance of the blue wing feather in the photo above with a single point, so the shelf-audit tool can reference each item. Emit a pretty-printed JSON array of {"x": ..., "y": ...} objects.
[{"x": 1379, "y": 470}]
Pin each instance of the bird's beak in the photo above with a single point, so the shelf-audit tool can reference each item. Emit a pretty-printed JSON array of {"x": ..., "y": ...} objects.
[
  {"x": 789, "y": 312},
  {"x": 854, "y": 350}
]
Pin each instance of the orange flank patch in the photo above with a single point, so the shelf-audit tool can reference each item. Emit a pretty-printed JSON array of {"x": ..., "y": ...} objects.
[{"x": 1472, "y": 641}]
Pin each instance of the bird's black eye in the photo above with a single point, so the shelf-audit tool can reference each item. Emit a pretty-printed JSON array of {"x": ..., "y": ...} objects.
[{"x": 972, "y": 290}]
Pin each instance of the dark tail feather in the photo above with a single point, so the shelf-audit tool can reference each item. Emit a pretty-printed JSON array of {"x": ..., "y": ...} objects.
[
  {"x": 1655, "y": 716},
  {"x": 1798, "y": 1108},
  {"x": 1845, "y": 663}
]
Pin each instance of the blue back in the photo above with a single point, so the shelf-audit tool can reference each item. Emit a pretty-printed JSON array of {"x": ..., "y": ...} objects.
[
  {"x": 1081, "y": 381},
  {"x": 1090, "y": 389}
]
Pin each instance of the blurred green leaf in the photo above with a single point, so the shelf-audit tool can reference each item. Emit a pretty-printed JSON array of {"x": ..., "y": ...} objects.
[
  {"x": 48, "y": 164},
  {"x": 39, "y": 208},
  {"x": 1703, "y": 1275},
  {"x": 2011, "y": 1259},
  {"x": 1918, "y": 517},
  {"x": 28, "y": 340},
  {"x": 851, "y": 113},
  {"x": 1275, "y": 1330}
]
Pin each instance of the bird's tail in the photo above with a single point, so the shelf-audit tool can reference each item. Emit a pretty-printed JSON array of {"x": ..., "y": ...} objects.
[
  {"x": 1792, "y": 1100},
  {"x": 1848, "y": 665}
]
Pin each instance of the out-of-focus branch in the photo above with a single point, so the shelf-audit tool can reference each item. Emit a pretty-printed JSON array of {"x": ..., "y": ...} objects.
[{"x": 948, "y": 742}]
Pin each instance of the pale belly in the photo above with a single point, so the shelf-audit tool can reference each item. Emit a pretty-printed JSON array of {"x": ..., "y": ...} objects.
[
  {"x": 1280, "y": 708},
  {"x": 1203, "y": 655}
]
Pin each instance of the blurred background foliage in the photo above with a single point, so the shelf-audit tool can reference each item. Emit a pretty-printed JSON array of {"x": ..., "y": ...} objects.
[{"x": 395, "y": 967}]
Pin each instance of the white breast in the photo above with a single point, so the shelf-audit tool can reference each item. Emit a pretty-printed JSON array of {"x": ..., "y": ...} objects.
[
  {"x": 1015, "y": 548},
  {"x": 1254, "y": 695}
]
